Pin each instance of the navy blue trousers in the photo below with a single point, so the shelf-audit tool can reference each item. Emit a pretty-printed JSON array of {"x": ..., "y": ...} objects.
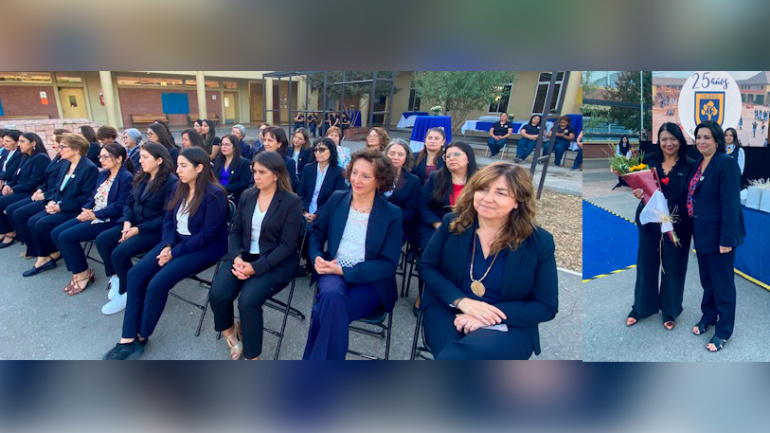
[
  {"x": 40, "y": 228},
  {"x": 558, "y": 152},
  {"x": 524, "y": 147},
  {"x": 496, "y": 145},
  {"x": 149, "y": 284},
  {"x": 5, "y": 202},
  {"x": 117, "y": 256},
  {"x": 447, "y": 343},
  {"x": 18, "y": 215},
  {"x": 337, "y": 305},
  {"x": 718, "y": 280},
  {"x": 68, "y": 237},
  {"x": 578, "y": 159}
]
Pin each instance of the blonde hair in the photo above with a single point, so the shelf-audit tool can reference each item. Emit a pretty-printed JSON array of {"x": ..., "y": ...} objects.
[{"x": 521, "y": 221}]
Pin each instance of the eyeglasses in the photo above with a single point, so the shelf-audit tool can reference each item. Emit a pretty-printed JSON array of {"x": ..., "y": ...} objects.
[
  {"x": 102, "y": 157},
  {"x": 320, "y": 149},
  {"x": 455, "y": 155}
]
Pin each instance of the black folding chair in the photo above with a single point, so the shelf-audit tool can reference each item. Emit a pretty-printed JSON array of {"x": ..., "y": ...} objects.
[
  {"x": 409, "y": 258},
  {"x": 423, "y": 351}
]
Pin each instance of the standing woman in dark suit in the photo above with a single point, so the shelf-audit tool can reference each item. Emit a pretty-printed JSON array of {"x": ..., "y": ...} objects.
[
  {"x": 488, "y": 265},
  {"x": 320, "y": 179},
  {"x": 263, "y": 255},
  {"x": 714, "y": 203},
  {"x": 406, "y": 190},
  {"x": 101, "y": 213},
  {"x": 158, "y": 134},
  {"x": 31, "y": 171},
  {"x": 230, "y": 168},
  {"x": 275, "y": 141},
  {"x": 300, "y": 150},
  {"x": 354, "y": 246},
  {"x": 430, "y": 158},
  {"x": 194, "y": 238},
  {"x": 30, "y": 206},
  {"x": 74, "y": 188},
  {"x": 210, "y": 140},
  {"x": 673, "y": 170},
  {"x": 139, "y": 229}
]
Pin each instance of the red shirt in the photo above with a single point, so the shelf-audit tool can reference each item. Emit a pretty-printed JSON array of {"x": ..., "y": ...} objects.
[{"x": 456, "y": 190}]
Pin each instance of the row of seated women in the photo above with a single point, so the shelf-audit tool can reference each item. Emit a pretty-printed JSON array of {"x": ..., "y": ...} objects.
[{"x": 354, "y": 245}]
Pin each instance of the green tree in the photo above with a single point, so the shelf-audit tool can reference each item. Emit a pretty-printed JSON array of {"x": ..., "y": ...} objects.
[
  {"x": 627, "y": 89},
  {"x": 460, "y": 91},
  {"x": 355, "y": 90}
]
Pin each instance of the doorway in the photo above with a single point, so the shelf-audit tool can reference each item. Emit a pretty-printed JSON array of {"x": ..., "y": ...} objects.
[
  {"x": 73, "y": 103},
  {"x": 230, "y": 101}
]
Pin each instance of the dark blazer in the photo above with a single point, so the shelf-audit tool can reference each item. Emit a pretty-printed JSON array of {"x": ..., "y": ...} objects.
[
  {"x": 407, "y": 197},
  {"x": 430, "y": 211},
  {"x": 419, "y": 169},
  {"x": 246, "y": 151},
  {"x": 676, "y": 195},
  {"x": 306, "y": 156},
  {"x": 146, "y": 211},
  {"x": 79, "y": 189},
  {"x": 240, "y": 176},
  {"x": 334, "y": 181},
  {"x": 174, "y": 152},
  {"x": 30, "y": 173},
  {"x": 48, "y": 185},
  {"x": 134, "y": 155},
  {"x": 530, "y": 290},
  {"x": 116, "y": 199},
  {"x": 278, "y": 235},
  {"x": 93, "y": 153},
  {"x": 13, "y": 164},
  {"x": 383, "y": 243},
  {"x": 208, "y": 227},
  {"x": 717, "y": 219}
]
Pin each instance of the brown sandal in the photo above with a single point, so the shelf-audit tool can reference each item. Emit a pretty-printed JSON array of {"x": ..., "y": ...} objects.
[
  {"x": 76, "y": 289},
  {"x": 236, "y": 348}
]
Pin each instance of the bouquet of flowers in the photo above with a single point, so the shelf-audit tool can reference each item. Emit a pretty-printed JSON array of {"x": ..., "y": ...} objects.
[
  {"x": 656, "y": 211},
  {"x": 436, "y": 109}
]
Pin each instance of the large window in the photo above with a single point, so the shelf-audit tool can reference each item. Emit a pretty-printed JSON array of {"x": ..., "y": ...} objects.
[
  {"x": 69, "y": 78},
  {"x": 542, "y": 90},
  {"x": 149, "y": 81},
  {"x": 26, "y": 77},
  {"x": 414, "y": 100},
  {"x": 500, "y": 103}
]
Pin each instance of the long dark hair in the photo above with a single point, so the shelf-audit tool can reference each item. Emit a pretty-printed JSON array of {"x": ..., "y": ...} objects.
[
  {"x": 533, "y": 118},
  {"x": 208, "y": 139},
  {"x": 624, "y": 148},
  {"x": 444, "y": 177},
  {"x": 163, "y": 137},
  {"x": 280, "y": 136},
  {"x": 118, "y": 151},
  {"x": 423, "y": 155},
  {"x": 205, "y": 178},
  {"x": 236, "y": 149},
  {"x": 89, "y": 133},
  {"x": 273, "y": 162},
  {"x": 166, "y": 168},
  {"x": 195, "y": 138},
  {"x": 736, "y": 142},
  {"x": 34, "y": 138},
  {"x": 676, "y": 131},
  {"x": 716, "y": 132}
]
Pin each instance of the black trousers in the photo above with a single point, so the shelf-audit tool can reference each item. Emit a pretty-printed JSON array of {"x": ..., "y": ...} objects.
[
  {"x": 18, "y": 214},
  {"x": 718, "y": 280},
  {"x": 649, "y": 298},
  {"x": 5, "y": 202},
  {"x": 117, "y": 256},
  {"x": 254, "y": 292},
  {"x": 40, "y": 228},
  {"x": 446, "y": 342}
]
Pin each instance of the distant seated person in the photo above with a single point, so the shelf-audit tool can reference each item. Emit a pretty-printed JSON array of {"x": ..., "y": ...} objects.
[
  {"x": 499, "y": 134},
  {"x": 275, "y": 140},
  {"x": 344, "y": 122},
  {"x": 564, "y": 135},
  {"x": 246, "y": 150},
  {"x": 528, "y": 140},
  {"x": 312, "y": 123},
  {"x": 230, "y": 168},
  {"x": 299, "y": 121},
  {"x": 489, "y": 272},
  {"x": 354, "y": 246}
]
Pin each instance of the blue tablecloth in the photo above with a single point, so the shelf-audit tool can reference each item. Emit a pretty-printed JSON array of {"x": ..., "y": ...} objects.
[
  {"x": 408, "y": 118},
  {"x": 752, "y": 258},
  {"x": 421, "y": 126},
  {"x": 576, "y": 120},
  {"x": 355, "y": 117}
]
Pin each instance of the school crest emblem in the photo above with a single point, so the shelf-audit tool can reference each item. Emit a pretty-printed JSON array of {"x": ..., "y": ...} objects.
[{"x": 709, "y": 106}]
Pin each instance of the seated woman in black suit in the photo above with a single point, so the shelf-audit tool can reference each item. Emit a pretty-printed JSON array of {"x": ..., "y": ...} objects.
[
  {"x": 230, "y": 168},
  {"x": 489, "y": 272},
  {"x": 139, "y": 229},
  {"x": 36, "y": 202},
  {"x": 430, "y": 158},
  {"x": 406, "y": 191},
  {"x": 320, "y": 179},
  {"x": 31, "y": 171},
  {"x": 101, "y": 213},
  {"x": 301, "y": 151},
  {"x": 159, "y": 134},
  {"x": 354, "y": 246},
  {"x": 93, "y": 150},
  {"x": 75, "y": 186},
  {"x": 274, "y": 140},
  {"x": 263, "y": 255},
  {"x": 194, "y": 238},
  {"x": 714, "y": 204},
  {"x": 11, "y": 158}
]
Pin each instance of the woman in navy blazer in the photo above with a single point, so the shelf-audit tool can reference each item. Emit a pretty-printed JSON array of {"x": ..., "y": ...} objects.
[
  {"x": 333, "y": 179},
  {"x": 230, "y": 168},
  {"x": 714, "y": 204},
  {"x": 194, "y": 239},
  {"x": 11, "y": 158},
  {"x": 274, "y": 140},
  {"x": 74, "y": 188},
  {"x": 139, "y": 229},
  {"x": 406, "y": 191},
  {"x": 101, "y": 213},
  {"x": 430, "y": 158},
  {"x": 354, "y": 247},
  {"x": 262, "y": 259},
  {"x": 489, "y": 272},
  {"x": 301, "y": 151},
  {"x": 29, "y": 206},
  {"x": 31, "y": 171}
]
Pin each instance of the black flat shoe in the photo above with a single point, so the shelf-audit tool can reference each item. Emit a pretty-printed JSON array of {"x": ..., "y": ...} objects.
[
  {"x": 718, "y": 344},
  {"x": 34, "y": 271},
  {"x": 125, "y": 351},
  {"x": 701, "y": 327},
  {"x": 8, "y": 244}
]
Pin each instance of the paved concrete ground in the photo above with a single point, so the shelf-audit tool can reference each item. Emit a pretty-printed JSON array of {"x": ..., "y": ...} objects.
[
  {"x": 40, "y": 322},
  {"x": 607, "y": 301}
]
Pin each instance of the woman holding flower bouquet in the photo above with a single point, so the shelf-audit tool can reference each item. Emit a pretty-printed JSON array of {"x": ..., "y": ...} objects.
[
  {"x": 657, "y": 251},
  {"x": 713, "y": 201}
]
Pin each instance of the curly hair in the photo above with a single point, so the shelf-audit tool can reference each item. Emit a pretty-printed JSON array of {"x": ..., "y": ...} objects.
[
  {"x": 521, "y": 221},
  {"x": 384, "y": 172}
]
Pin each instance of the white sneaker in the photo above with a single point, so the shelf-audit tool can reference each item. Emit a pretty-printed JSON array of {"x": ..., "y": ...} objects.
[
  {"x": 114, "y": 287},
  {"x": 116, "y": 305}
]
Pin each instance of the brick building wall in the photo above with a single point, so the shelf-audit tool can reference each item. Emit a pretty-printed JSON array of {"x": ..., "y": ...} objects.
[
  {"x": 25, "y": 101},
  {"x": 149, "y": 101}
]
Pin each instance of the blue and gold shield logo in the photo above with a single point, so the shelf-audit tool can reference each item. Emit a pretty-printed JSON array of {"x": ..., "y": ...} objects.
[{"x": 709, "y": 106}]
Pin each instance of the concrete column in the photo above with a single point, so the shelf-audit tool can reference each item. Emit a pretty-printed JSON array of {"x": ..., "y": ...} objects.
[
  {"x": 109, "y": 97},
  {"x": 363, "y": 105},
  {"x": 269, "y": 100},
  {"x": 200, "y": 85}
]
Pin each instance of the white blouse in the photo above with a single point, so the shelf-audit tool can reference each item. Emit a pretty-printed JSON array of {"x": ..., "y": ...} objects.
[
  {"x": 182, "y": 219},
  {"x": 256, "y": 228},
  {"x": 352, "y": 250}
]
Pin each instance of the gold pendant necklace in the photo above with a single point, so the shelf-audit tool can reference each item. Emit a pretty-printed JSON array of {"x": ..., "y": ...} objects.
[{"x": 477, "y": 287}]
